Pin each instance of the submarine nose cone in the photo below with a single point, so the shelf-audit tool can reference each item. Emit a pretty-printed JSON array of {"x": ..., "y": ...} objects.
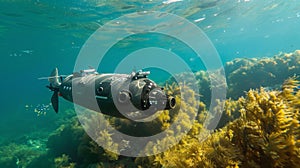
[{"x": 160, "y": 100}]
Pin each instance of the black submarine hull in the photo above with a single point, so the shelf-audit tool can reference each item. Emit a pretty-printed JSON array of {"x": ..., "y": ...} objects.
[{"x": 119, "y": 95}]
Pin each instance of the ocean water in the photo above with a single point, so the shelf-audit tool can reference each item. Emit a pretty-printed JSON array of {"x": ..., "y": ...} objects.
[{"x": 38, "y": 35}]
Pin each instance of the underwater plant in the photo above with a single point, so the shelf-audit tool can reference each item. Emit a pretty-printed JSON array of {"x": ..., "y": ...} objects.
[
  {"x": 185, "y": 113},
  {"x": 265, "y": 135},
  {"x": 205, "y": 81},
  {"x": 63, "y": 162},
  {"x": 215, "y": 151},
  {"x": 230, "y": 113},
  {"x": 65, "y": 140},
  {"x": 244, "y": 74},
  {"x": 19, "y": 155}
]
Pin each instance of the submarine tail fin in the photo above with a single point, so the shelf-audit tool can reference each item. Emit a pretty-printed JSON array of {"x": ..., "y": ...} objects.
[
  {"x": 54, "y": 100},
  {"x": 54, "y": 83},
  {"x": 54, "y": 80}
]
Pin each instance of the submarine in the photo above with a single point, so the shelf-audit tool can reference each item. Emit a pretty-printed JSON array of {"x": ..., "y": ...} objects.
[{"x": 132, "y": 96}]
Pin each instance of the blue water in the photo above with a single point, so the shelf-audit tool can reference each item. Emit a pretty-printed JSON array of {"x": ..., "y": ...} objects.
[{"x": 38, "y": 35}]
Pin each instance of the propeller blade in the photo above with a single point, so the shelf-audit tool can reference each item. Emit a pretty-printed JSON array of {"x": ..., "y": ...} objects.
[
  {"x": 54, "y": 101},
  {"x": 52, "y": 77}
]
